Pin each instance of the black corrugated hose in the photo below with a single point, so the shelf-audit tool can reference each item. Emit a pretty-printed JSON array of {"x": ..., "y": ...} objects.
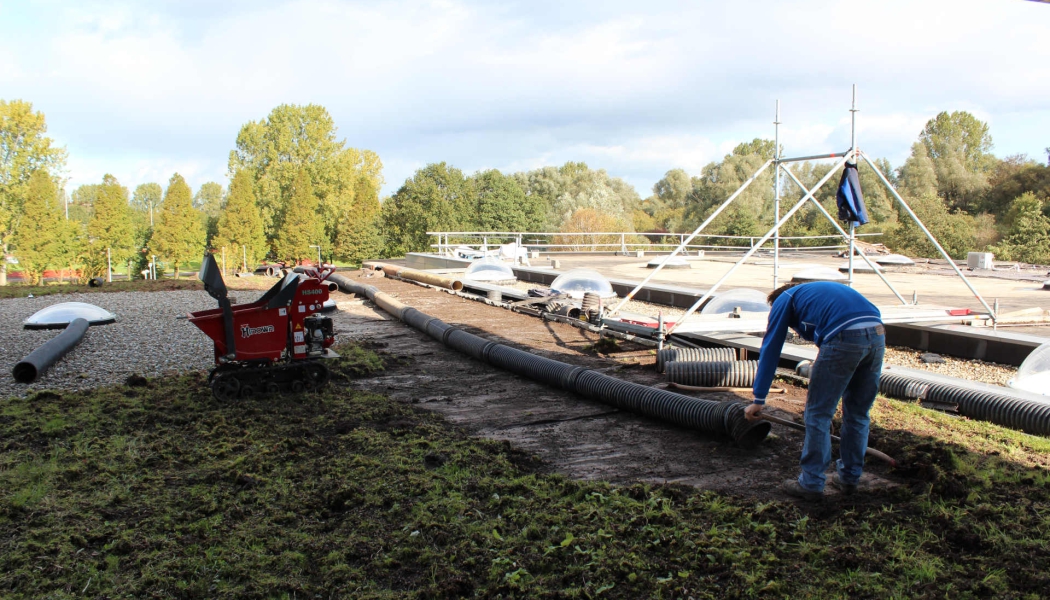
[
  {"x": 692, "y": 354},
  {"x": 719, "y": 418},
  {"x": 1001, "y": 409},
  {"x": 731, "y": 373}
]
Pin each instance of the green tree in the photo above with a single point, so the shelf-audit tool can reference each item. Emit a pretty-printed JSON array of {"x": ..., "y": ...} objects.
[
  {"x": 1028, "y": 237},
  {"x": 179, "y": 235},
  {"x": 740, "y": 221},
  {"x": 147, "y": 199},
  {"x": 110, "y": 224},
  {"x": 590, "y": 220},
  {"x": 437, "y": 198},
  {"x": 718, "y": 181},
  {"x": 956, "y": 232},
  {"x": 958, "y": 132},
  {"x": 502, "y": 204},
  {"x": 145, "y": 206},
  {"x": 39, "y": 236},
  {"x": 359, "y": 236},
  {"x": 239, "y": 223},
  {"x": 958, "y": 144},
  {"x": 674, "y": 189},
  {"x": 1012, "y": 177},
  {"x": 561, "y": 191},
  {"x": 296, "y": 138},
  {"x": 24, "y": 149},
  {"x": 209, "y": 200},
  {"x": 918, "y": 177},
  {"x": 302, "y": 225},
  {"x": 671, "y": 195},
  {"x": 82, "y": 202}
]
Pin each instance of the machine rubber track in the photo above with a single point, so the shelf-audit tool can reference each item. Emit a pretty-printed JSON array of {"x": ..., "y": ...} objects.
[{"x": 230, "y": 382}]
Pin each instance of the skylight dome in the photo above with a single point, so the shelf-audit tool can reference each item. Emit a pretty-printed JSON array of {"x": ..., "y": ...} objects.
[
  {"x": 491, "y": 270},
  {"x": 746, "y": 299},
  {"x": 57, "y": 316},
  {"x": 578, "y": 281},
  {"x": 1034, "y": 374}
]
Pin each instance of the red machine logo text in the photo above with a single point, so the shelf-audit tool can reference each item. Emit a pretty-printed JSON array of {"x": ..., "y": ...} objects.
[{"x": 250, "y": 331}]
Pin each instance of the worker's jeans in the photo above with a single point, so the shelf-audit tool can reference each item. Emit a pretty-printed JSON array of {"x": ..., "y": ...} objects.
[{"x": 847, "y": 367}]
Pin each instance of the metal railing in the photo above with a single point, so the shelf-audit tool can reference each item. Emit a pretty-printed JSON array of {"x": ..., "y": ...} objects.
[{"x": 622, "y": 242}]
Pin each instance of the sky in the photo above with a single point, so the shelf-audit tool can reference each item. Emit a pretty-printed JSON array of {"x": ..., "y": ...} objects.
[{"x": 145, "y": 89}]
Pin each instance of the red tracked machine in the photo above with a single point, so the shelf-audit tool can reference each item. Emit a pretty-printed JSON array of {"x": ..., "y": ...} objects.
[{"x": 275, "y": 344}]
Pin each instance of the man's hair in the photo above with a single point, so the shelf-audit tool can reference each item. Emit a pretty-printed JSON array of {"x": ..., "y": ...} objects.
[{"x": 780, "y": 290}]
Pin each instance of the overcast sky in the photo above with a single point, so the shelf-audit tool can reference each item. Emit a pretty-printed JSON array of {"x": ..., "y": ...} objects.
[{"x": 142, "y": 90}]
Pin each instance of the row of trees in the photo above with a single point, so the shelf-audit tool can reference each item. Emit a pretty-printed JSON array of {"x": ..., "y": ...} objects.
[
  {"x": 441, "y": 198},
  {"x": 295, "y": 186}
]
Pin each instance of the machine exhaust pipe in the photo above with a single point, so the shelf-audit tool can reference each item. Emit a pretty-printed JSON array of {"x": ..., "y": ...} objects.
[{"x": 33, "y": 366}]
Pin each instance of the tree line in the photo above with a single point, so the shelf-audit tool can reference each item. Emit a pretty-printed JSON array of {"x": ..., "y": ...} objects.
[
  {"x": 969, "y": 199},
  {"x": 294, "y": 186}
]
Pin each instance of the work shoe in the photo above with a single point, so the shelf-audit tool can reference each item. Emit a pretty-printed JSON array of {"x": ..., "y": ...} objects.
[
  {"x": 847, "y": 489},
  {"x": 792, "y": 487}
]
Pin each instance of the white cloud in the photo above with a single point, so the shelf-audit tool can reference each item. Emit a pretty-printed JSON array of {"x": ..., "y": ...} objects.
[
  {"x": 637, "y": 89},
  {"x": 659, "y": 152}
]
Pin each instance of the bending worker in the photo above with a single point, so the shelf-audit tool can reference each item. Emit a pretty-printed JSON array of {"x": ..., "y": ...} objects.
[{"x": 848, "y": 331}]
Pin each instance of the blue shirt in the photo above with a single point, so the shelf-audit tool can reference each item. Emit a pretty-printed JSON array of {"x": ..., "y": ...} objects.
[{"x": 817, "y": 311}]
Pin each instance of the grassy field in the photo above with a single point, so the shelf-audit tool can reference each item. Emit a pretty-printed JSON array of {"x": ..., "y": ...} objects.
[{"x": 154, "y": 489}]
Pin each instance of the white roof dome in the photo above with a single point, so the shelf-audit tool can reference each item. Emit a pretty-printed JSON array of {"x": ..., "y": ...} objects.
[
  {"x": 578, "y": 281},
  {"x": 1034, "y": 373},
  {"x": 747, "y": 299},
  {"x": 57, "y": 316},
  {"x": 490, "y": 269}
]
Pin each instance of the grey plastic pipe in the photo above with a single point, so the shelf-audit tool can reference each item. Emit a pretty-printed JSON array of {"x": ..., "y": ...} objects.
[
  {"x": 33, "y": 366},
  {"x": 712, "y": 417}
]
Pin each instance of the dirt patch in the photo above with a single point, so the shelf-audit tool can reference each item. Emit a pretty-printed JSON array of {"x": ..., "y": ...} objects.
[{"x": 576, "y": 436}]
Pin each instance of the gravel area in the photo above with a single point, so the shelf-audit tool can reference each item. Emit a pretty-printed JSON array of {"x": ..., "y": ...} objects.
[
  {"x": 146, "y": 339},
  {"x": 975, "y": 370}
]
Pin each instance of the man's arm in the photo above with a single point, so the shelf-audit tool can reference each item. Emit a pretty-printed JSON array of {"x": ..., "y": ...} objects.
[{"x": 772, "y": 345}]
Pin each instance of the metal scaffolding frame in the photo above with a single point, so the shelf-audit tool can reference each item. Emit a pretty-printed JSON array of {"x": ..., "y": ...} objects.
[{"x": 780, "y": 166}]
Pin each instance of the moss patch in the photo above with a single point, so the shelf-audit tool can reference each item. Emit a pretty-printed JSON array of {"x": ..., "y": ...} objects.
[{"x": 159, "y": 490}]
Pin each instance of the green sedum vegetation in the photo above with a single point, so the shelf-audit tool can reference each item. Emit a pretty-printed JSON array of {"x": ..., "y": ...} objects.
[{"x": 154, "y": 489}]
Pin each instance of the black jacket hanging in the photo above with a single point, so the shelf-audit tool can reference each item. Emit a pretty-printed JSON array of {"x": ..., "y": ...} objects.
[{"x": 849, "y": 198}]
